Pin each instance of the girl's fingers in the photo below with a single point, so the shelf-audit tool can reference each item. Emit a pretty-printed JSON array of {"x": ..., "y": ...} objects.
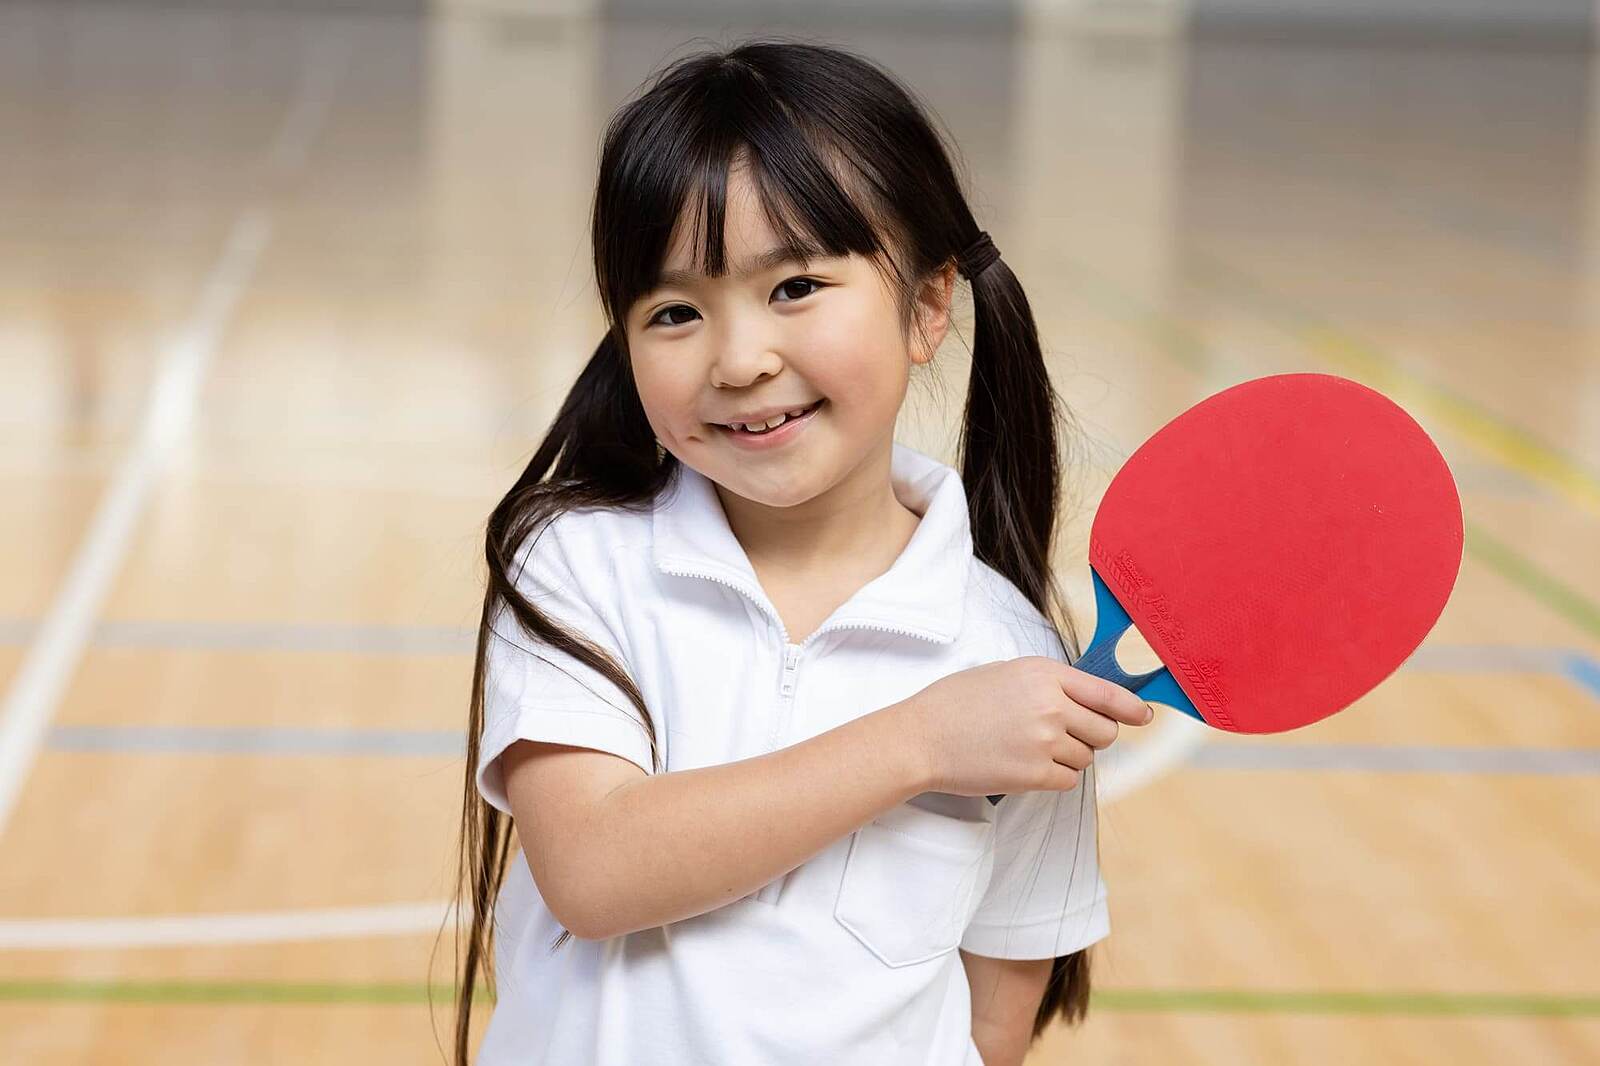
[
  {"x": 1098, "y": 694},
  {"x": 1093, "y": 728},
  {"x": 1070, "y": 751}
]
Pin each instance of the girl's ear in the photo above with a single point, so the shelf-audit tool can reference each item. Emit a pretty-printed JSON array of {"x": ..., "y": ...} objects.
[{"x": 932, "y": 312}]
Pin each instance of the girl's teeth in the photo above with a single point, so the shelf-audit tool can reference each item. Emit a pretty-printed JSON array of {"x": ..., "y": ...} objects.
[{"x": 771, "y": 423}]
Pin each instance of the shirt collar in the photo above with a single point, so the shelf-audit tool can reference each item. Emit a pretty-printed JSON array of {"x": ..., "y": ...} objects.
[{"x": 921, "y": 594}]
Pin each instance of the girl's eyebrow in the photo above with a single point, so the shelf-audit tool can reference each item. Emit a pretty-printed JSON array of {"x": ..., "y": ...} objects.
[{"x": 772, "y": 257}]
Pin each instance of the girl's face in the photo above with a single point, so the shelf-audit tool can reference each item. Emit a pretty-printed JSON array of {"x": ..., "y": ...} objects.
[{"x": 768, "y": 338}]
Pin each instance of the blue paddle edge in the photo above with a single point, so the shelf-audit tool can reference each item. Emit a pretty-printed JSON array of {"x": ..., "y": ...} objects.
[{"x": 1100, "y": 658}]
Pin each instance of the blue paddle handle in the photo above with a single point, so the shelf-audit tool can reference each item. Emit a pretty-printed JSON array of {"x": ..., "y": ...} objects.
[{"x": 1100, "y": 658}]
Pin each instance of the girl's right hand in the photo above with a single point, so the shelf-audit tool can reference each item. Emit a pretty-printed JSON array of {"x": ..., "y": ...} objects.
[{"x": 1018, "y": 725}]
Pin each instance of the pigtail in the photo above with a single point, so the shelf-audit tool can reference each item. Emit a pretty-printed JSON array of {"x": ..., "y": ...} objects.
[
  {"x": 1009, "y": 438},
  {"x": 599, "y": 451},
  {"x": 1010, "y": 434}
]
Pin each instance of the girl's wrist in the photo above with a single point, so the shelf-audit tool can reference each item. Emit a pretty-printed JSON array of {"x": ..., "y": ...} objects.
[{"x": 902, "y": 741}]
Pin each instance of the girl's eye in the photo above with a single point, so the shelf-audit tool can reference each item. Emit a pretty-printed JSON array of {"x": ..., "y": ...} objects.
[
  {"x": 815, "y": 286},
  {"x": 668, "y": 311},
  {"x": 782, "y": 287}
]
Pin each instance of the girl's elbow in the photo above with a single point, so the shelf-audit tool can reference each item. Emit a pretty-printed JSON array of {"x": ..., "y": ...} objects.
[{"x": 585, "y": 923}]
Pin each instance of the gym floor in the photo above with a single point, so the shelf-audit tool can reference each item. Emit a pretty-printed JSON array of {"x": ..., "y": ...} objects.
[{"x": 288, "y": 297}]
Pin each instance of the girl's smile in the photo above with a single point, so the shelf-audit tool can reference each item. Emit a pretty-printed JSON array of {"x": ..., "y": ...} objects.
[{"x": 764, "y": 439}]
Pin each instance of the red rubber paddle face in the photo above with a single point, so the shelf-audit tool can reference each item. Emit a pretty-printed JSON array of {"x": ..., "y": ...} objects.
[{"x": 1283, "y": 546}]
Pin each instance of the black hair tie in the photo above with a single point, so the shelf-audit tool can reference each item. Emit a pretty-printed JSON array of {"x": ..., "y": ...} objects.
[{"x": 978, "y": 256}]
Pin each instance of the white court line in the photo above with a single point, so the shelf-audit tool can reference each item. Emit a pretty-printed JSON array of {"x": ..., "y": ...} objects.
[
  {"x": 1125, "y": 770},
  {"x": 58, "y": 643},
  {"x": 309, "y": 110},
  {"x": 262, "y": 927}
]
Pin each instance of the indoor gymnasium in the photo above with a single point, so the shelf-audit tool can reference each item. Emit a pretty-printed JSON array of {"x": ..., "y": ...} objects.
[{"x": 291, "y": 290}]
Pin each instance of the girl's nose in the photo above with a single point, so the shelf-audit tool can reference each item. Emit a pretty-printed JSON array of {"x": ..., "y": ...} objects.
[{"x": 740, "y": 365}]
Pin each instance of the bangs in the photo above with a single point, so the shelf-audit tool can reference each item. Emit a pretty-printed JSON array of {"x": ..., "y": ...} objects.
[{"x": 667, "y": 165}]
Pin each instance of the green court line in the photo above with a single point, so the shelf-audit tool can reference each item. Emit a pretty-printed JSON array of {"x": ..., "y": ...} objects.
[
  {"x": 1554, "y": 594},
  {"x": 1172, "y": 336},
  {"x": 1138, "y": 1001}
]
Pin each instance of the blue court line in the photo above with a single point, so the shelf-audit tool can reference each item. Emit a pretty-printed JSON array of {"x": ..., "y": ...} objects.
[
  {"x": 1229, "y": 755},
  {"x": 1584, "y": 672},
  {"x": 1464, "y": 659},
  {"x": 1577, "y": 667}
]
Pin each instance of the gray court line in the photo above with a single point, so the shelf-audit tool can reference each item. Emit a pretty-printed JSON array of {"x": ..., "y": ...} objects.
[
  {"x": 1383, "y": 758},
  {"x": 1489, "y": 659},
  {"x": 378, "y": 638},
  {"x": 267, "y": 636},
  {"x": 258, "y": 636},
  {"x": 257, "y": 740}
]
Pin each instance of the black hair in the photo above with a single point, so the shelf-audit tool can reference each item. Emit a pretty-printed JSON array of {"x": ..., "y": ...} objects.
[{"x": 845, "y": 160}]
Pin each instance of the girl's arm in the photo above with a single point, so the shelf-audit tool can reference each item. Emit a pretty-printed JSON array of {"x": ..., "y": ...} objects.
[
  {"x": 614, "y": 850},
  {"x": 1006, "y": 994}
]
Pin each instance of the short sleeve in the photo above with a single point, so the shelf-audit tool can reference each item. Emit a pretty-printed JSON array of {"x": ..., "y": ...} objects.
[
  {"x": 1046, "y": 897},
  {"x": 534, "y": 691}
]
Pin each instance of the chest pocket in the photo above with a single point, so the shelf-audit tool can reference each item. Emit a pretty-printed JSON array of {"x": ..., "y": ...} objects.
[{"x": 912, "y": 880}]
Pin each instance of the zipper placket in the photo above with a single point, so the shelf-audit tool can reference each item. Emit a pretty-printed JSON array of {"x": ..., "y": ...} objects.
[
  {"x": 789, "y": 675},
  {"x": 788, "y": 679},
  {"x": 792, "y": 651}
]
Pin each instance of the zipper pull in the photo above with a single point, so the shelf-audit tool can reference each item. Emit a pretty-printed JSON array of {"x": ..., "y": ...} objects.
[{"x": 791, "y": 659}]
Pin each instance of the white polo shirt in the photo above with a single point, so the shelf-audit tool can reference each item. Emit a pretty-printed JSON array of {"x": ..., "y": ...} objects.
[{"x": 851, "y": 957}]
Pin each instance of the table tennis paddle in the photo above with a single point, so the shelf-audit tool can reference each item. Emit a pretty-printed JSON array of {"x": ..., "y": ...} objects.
[{"x": 1283, "y": 546}]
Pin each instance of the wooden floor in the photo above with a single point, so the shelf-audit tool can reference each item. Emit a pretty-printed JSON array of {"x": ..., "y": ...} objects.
[{"x": 285, "y": 298}]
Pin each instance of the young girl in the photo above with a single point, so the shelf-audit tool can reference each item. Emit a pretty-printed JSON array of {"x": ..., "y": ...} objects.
[{"x": 748, "y": 668}]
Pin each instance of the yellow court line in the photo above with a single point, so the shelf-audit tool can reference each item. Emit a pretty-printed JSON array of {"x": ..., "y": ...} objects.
[
  {"x": 1504, "y": 444},
  {"x": 1500, "y": 441},
  {"x": 1487, "y": 433}
]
